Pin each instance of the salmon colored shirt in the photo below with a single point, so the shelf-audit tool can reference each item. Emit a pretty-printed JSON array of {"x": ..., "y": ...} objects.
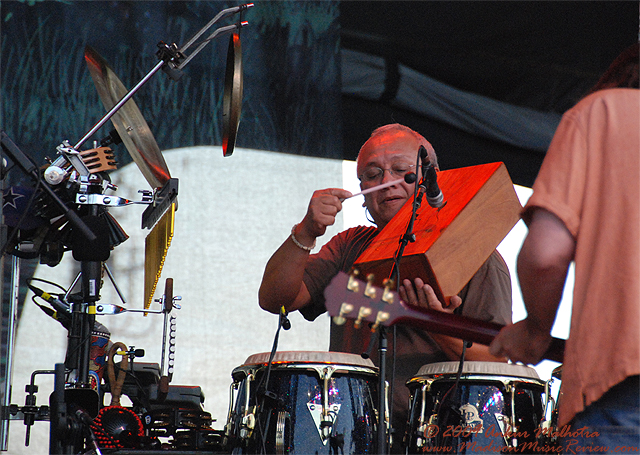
[{"x": 589, "y": 179}]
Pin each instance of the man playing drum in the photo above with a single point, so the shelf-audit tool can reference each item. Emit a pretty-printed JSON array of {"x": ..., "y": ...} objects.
[{"x": 295, "y": 279}]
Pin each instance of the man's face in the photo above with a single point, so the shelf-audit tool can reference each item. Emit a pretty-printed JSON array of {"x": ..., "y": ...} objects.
[{"x": 386, "y": 151}]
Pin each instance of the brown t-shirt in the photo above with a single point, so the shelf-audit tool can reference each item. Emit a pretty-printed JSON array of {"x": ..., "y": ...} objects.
[
  {"x": 589, "y": 179},
  {"x": 487, "y": 296}
]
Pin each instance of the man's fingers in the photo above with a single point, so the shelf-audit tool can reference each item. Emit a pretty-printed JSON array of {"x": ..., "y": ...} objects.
[
  {"x": 495, "y": 348},
  {"x": 403, "y": 294},
  {"x": 454, "y": 302},
  {"x": 339, "y": 193},
  {"x": 409, "y": 293},
  {"x": 429, "y": 297}
]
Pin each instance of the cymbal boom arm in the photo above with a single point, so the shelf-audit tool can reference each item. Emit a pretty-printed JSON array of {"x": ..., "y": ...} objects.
[{"x": 155, "y": 69}]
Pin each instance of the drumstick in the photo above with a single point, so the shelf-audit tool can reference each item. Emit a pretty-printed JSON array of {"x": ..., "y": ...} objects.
[{"x": 377, "y": 187}]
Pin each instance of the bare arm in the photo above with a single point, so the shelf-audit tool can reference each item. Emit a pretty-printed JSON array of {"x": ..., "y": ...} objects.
[
  {"x": 543, "y": 262},
  {"x": 282, "y": 283}
]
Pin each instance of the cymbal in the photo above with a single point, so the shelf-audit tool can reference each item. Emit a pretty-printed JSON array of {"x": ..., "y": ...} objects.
[
  {"x": 232, "y": 100},
  {"x": 128, "y": 120}
]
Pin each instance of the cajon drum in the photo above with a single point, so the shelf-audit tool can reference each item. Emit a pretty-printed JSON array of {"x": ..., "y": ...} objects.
[{"x": 452, "y": 242}]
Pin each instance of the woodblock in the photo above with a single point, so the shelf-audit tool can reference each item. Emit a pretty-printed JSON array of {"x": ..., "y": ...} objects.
[{"x": 451, "y": 242}]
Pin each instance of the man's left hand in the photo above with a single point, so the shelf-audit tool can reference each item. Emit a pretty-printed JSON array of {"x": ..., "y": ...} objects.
[{"x": 421, "y": 294}]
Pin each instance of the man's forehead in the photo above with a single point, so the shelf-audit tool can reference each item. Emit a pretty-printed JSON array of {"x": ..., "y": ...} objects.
[
  {"x": 388, "y": 155},
  {"x": 388, "y": 152}
]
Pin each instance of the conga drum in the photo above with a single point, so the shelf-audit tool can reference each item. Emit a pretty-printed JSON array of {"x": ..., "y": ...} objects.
[
  {"x": 492, "y": 406},
  {"x": 303, "y": 402}
]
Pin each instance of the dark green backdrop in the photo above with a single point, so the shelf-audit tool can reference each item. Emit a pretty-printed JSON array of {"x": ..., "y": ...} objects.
[{"x": 291, "y": 78}]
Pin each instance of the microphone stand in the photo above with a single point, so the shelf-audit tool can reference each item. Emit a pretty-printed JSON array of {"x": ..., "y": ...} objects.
[
  {"x": 382, "y": 360},
  {"x": 409, "y": 236}
]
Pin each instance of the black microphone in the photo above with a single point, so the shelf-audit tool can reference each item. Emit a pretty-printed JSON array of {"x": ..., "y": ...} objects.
[
  {"x": 284, "y": 320},
  {"x": 410, "y": 177},
  {"x": 424, "y": 160},
  {"x": 434, "y": 194},
  {"x": 430, "y": 180}
]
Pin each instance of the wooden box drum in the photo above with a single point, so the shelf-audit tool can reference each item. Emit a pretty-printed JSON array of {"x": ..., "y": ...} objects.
[{"x": 304, "y": 402}]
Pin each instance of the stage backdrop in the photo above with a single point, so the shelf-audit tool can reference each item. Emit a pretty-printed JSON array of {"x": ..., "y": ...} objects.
[{"x": 290, "y": 52}]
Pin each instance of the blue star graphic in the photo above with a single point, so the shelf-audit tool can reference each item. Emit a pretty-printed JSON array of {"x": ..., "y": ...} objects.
[{"x": 10, "y": 198}]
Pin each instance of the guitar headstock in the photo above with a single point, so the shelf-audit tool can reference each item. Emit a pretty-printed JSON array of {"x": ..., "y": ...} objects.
[{"x": 348, "y": 297}]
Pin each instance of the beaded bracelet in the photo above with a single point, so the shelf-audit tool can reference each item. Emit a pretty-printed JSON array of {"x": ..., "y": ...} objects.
[{"x": 298, "y": 244}]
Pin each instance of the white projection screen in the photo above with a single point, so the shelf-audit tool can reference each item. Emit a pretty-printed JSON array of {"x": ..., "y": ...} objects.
[{"x": 232, "y": 214}]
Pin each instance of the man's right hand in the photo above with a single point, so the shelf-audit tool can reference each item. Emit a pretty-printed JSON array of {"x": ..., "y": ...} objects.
[
  {"x": 322, "y": 211},
  {"x": 282, "y": 282}
]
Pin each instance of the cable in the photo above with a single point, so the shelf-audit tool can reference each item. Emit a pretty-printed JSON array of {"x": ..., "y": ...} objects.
[
  {"x": 283, "y": 322},
  {"x": 49, "y": 282}
]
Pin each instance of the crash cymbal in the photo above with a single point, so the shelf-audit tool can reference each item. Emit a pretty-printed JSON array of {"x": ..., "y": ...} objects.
[
  {"x": 232, "y": 101},
  {"x": 128, "y": 120}
]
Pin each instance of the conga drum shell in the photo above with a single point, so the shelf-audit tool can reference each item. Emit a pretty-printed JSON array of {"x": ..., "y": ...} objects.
[
  {"x": 304, "y": 402},
  {"x": 491, "y": 406}
]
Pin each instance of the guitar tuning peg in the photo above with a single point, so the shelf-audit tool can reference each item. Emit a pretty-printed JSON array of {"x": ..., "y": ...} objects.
[
  {"x": 362, "y": 314},
  {"x": 381, "y": 318},
  {"x": 387, "y": 293},
  {"x": 370, "y": 290},
  {"x": 353, "y": 284},
  {"x": 345, "y": 308}
]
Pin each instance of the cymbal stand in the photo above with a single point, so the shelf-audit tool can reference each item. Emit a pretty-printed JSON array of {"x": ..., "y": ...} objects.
[
  {"x": 83, "y": 314},
  {"x": 27, "y": 165},
  {"x": 76, "y": 366},
  {"x": 171, "y": 62}
]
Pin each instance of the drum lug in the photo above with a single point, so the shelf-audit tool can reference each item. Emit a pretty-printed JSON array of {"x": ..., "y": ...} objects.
[
  {"x": 325, "y": 416},
  {"x": 548, "y": 417},
  {"x": 422, "y": 425},
  {"x": 248, "y": 422},
  {"x": 329, "y": 414},
  {"x": 512, "y": 392},
  {"x": 387, "y": 414}
]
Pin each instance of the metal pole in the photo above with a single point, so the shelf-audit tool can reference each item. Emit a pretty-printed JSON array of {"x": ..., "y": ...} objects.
[
  {"x": 13, "y": 319},
  {"x": 118, "y": 105}
]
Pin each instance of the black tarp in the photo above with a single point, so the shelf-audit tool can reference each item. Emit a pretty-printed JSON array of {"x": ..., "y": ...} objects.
[{"x": 530, "y": 60}]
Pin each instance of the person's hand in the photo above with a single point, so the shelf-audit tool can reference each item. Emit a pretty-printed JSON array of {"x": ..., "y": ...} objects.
[
  {"x": 322, "y": 211},
  {"x": 523, "y": 342},
  {"x": 421, "y": 294}
]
